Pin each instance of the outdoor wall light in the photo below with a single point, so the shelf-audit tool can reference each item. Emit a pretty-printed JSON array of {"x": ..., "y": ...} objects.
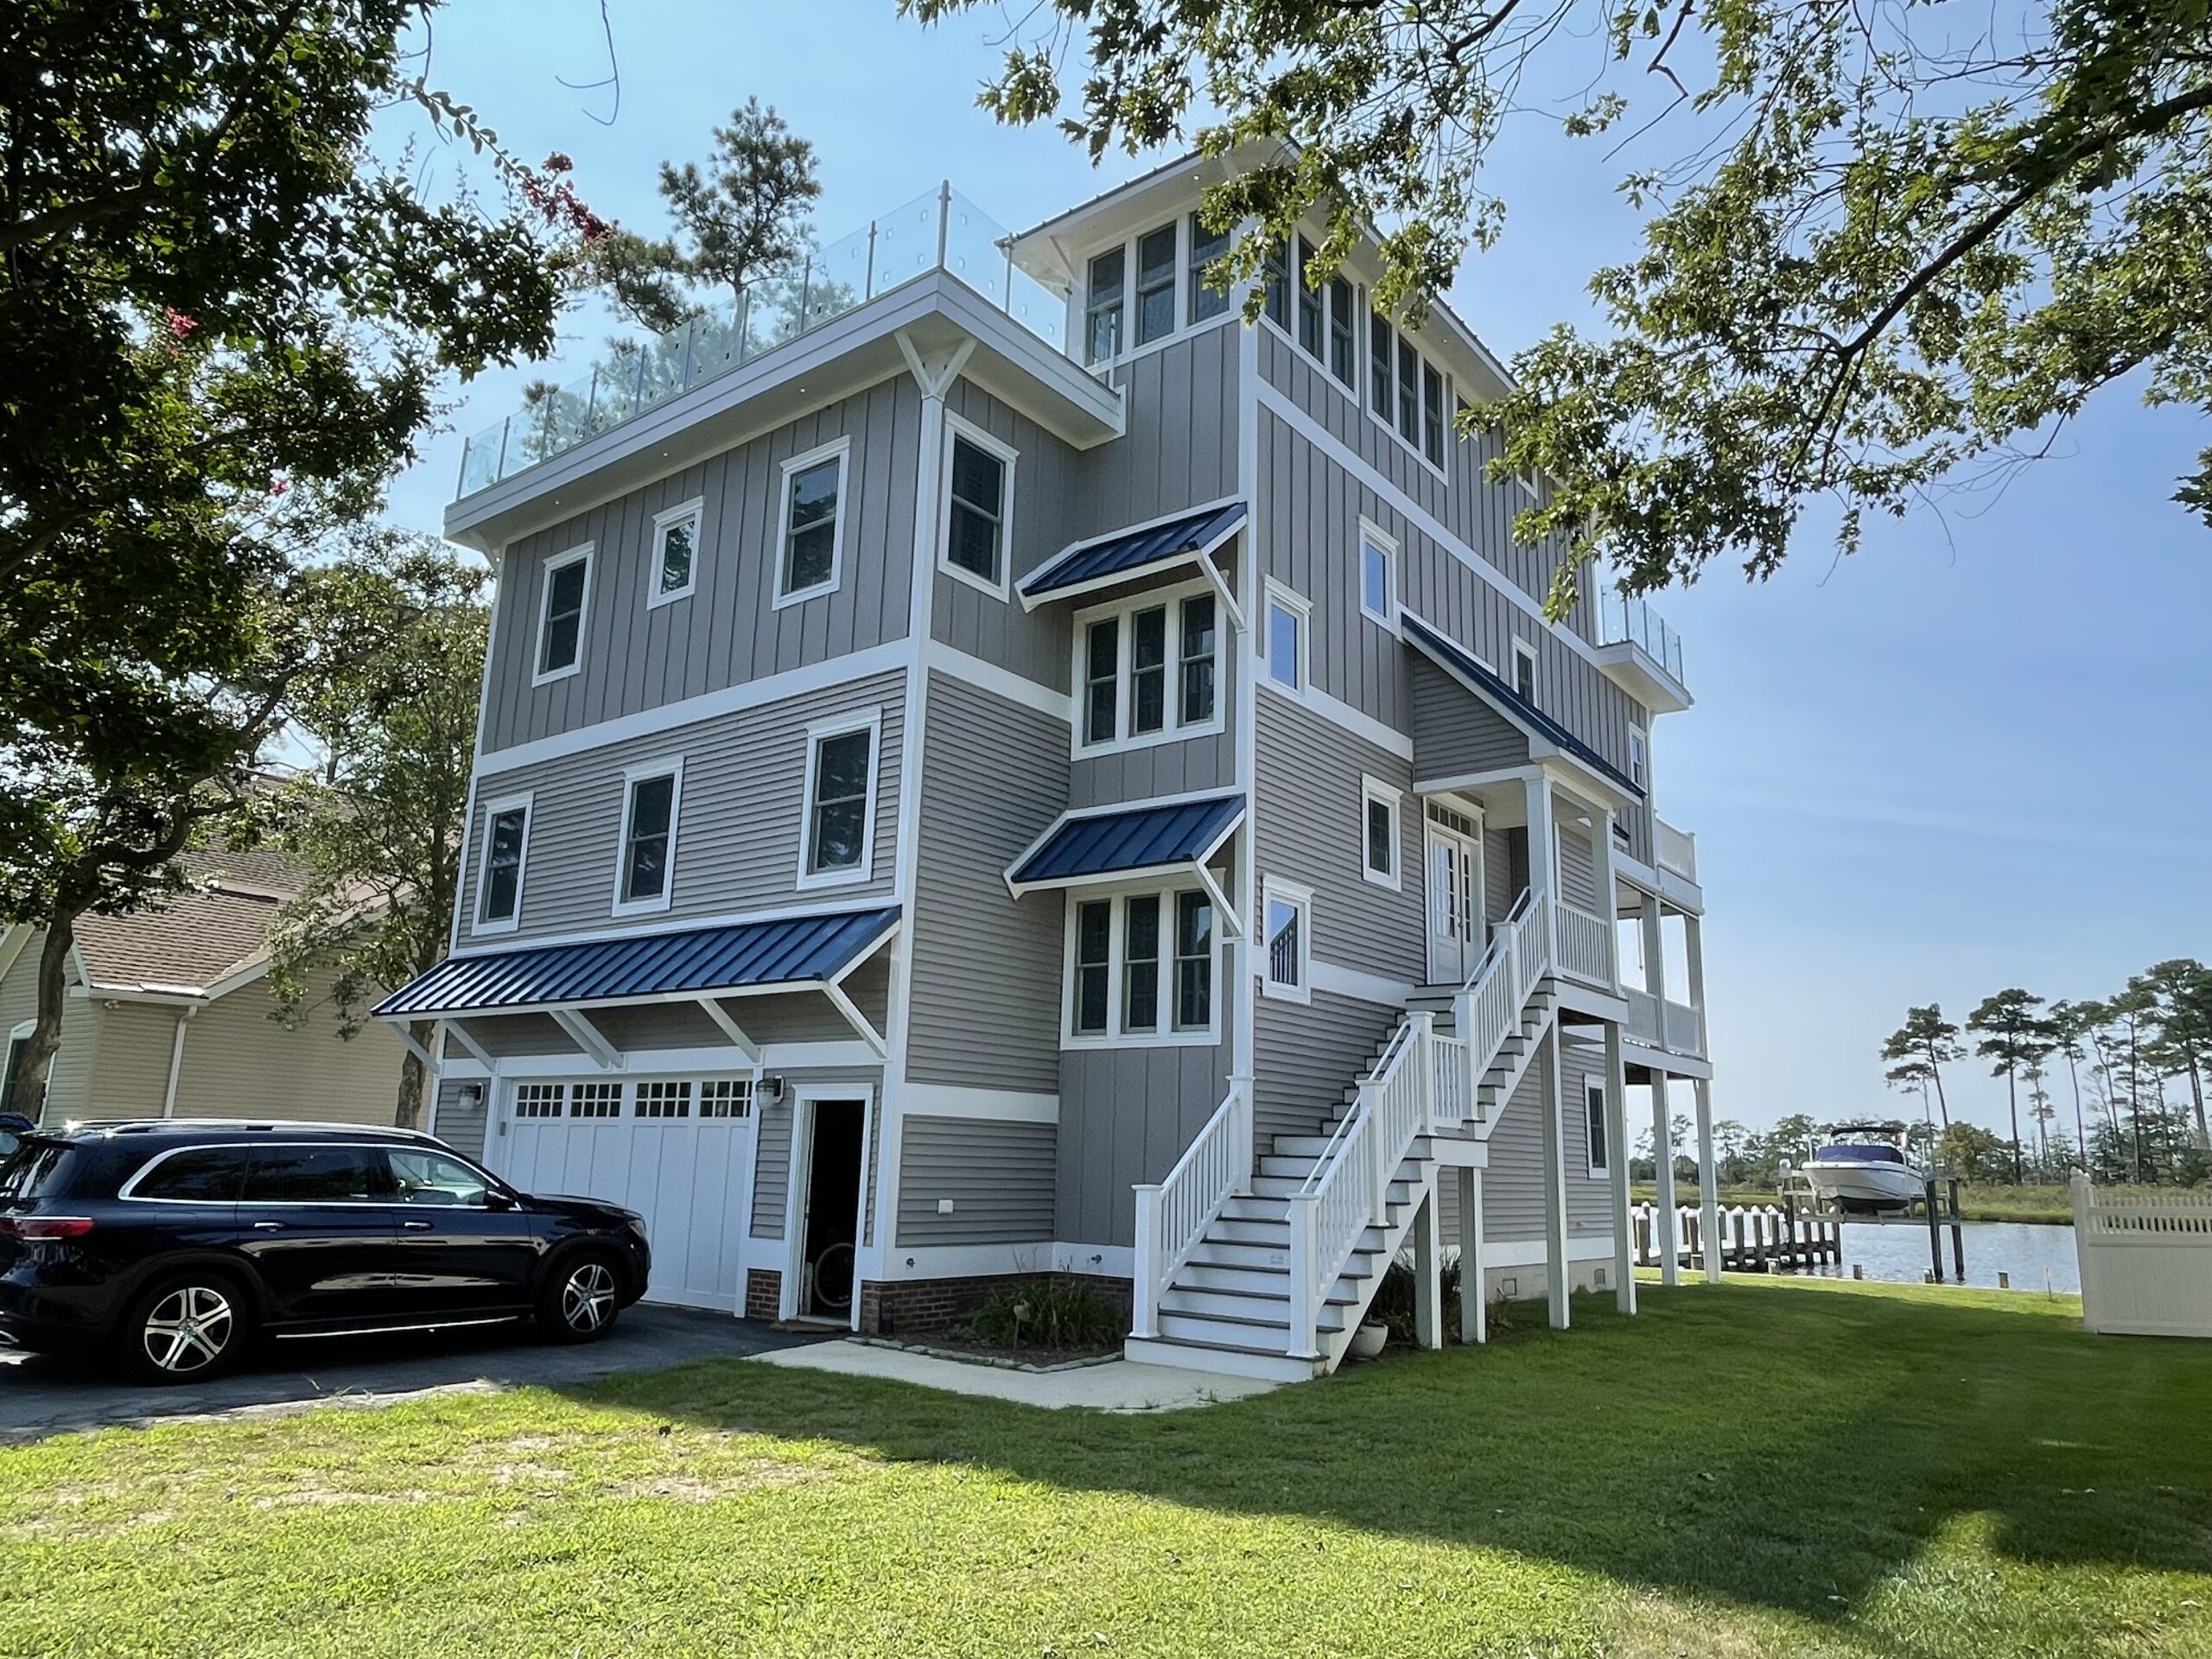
[{"x": 471, "y": 1094}]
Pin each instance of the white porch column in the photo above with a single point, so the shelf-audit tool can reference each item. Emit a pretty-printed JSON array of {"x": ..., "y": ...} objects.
[
  {"x": 1428, "y": 1276},
  {"x": 1708, "y": 1182},
  {"x": 1693, "y": 949},
  {"x": 1474, "y": 1287},
  {"x": 1665, "y": 1233},
  {"x": 1556, "y": 1279},
  {"x": 1601, "y": 831},
  {"x": 1543, "y": 839},
  {"x": 1616, "y": 1167}
]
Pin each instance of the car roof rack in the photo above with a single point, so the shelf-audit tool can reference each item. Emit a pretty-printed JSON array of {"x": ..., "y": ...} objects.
[{"x": 288, "y": 1125}]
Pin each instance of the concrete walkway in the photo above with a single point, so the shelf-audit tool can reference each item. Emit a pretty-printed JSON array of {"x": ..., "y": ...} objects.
[{"x": 1118, "y": 1385}]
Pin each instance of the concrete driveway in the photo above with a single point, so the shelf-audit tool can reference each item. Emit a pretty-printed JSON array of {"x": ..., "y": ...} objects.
[{"x": 41, "y": 1394}]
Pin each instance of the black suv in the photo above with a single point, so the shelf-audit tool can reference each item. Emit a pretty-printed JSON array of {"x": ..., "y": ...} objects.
[{"x": 173, "y": 1244}]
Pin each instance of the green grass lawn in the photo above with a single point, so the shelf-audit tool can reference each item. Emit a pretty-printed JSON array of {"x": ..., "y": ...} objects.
[{"x": 1769, "y": 1467}]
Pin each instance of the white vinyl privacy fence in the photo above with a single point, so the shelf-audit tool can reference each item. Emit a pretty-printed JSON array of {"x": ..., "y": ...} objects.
[{"x": 2147, "y": 1260}]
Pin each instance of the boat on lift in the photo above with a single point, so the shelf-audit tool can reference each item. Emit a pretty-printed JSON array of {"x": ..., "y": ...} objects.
[{"x": 1865, "y": 1168}]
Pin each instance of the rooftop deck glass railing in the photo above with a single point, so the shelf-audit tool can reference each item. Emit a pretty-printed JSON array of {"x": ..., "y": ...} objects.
[
  {"x": 942, "y": 231},
  {"x": 1623, "y": 620}
]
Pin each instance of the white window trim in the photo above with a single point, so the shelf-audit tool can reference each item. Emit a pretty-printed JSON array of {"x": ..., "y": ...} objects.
[
  {"x": 1271, "y": 892},
  {"x": 1521, "y": 648},
  {"x": 1277, "y": 594},
  {"x": 1639, "y": 738},
  {"x": 1117, "y": 967},
  {"x": 1172, "y": 732},
  {"x": 1372, "y": 790},
  {"x": 871, "y": 721},
  {"x": 477, "y": 925},
  {"x": 1594, "y": 1093},
  {"x": 1079, "y": 305},
  {"x": 631, "y": 776},
  {"x": 695, "y": 510},
  {"x": 540, "y": 674},
  {"x": 1365, "y": 350},
  {"x": 841, "y": 450},
  {"x": 1359, "y": 309},
  {"x": 954, "y": 426},
  {"x": 1371, "y": 533}
]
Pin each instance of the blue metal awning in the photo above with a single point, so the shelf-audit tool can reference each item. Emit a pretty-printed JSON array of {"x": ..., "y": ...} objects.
[
  {"x": 701, "y": 960},
  {"x": 1096, "y": 846},
  {"x": 1107, "y": 558},
  {"x": 1469, "y": 668}
]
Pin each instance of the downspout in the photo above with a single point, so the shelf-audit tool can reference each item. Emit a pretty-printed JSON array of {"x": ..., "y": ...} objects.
[{"x": 176, "y": 1060}]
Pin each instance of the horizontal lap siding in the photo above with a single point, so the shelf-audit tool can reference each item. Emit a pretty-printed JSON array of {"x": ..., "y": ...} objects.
[
  {"x": 1504, "y": 872},
  {"x": 130, "y": 1074},
  {"x": 1308, "y": 1055},
  {"x": 985, "y": 1007},
  {"x": 999, "y": 1176},
  {"x": 737, "y": 837},
  {"x": 1513, "y": 1185},
  {"x": 727, "y": 630},
  {"x": 771, "y": 1168},
  {"x": 1589, "y": 1198},
  {"x": 460, "y": 1126},
  {"x": 240, "y": 1063},
  {"x": 1578, "y": 870},
  {"x": 1127, "y": 1114}
]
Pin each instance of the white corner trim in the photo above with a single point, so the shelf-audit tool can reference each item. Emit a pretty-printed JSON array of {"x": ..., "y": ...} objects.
[
  {"x": 998, "y": 682},
  {"x": 1360, "y": 986}
]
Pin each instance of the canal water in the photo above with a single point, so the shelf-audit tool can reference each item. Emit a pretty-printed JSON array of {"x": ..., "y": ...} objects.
[{"x": 2026, "y": 1250}]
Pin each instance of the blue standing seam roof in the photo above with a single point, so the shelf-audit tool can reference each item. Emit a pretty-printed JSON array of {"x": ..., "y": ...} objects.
[
  {"x": 702, "y": 959},
  {"x": 1466, "y": 663},
  {"x": 1194, "y": 532},
  {"x": 1144, "y": 837}
]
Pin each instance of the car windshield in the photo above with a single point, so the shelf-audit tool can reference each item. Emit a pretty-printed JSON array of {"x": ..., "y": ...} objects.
[
  {"x": 29, "y": 1168},
  {"x": 1863, "y": 1152}
]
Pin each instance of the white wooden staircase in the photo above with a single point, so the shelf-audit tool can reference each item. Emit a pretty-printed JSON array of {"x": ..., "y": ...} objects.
[{"x": 1265, "y": 1268}]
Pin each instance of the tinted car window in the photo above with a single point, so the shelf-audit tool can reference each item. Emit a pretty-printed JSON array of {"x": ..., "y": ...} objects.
[
  {"x": 316, "y": 1175},
  {"x": 32, "y": 1168},
  {"x": 425, "y": 1178},
  {"x": 196, "y": 1175}
]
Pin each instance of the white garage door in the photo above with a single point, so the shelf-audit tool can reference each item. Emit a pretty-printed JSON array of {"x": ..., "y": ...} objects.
[{"x": 677, "y": 1150}]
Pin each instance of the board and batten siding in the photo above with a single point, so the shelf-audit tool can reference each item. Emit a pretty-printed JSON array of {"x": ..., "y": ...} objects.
[
  {"x": 635, "y": 657},
  {"x": 985, "y": 1009},
  {"x": 1306, "y": 1056},
  {"x": 1311, "y": 831},
  {"x": 1126, "y": 1113},
  {"x": 998, "y": 1176},
  {"x": 738, "y": 829},
  {"x": 1179, "y": 446}
]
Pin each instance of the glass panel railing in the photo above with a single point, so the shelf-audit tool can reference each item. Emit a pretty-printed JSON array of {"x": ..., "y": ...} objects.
[
  {"x": 1623, "y": 620},
  {"x": 941, "y": 230}
]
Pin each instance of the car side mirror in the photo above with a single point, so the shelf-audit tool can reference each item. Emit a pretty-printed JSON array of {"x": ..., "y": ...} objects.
[{"x": 495, "y": 1199}]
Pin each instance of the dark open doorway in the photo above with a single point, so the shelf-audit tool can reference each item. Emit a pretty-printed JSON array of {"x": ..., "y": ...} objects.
[{"x": 830, "y": 1233}]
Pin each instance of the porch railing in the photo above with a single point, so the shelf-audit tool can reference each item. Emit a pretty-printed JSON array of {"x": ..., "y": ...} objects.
[
  {"x": 1585, "y": 945},
  {"x": 1488, "y": 1006},
  {"x": 1685, "y": 1029},
  {"x": 1675, "y": 849},
  {"x": 1173, "y": 1214},
  {"x": 1673, "y": 1026}
]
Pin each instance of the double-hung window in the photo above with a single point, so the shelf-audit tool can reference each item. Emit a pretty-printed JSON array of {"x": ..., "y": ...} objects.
[
  {"x": 498, "y": 883},
  {"x": 837, "y": 840},
  {"x": 1639, "y": 755},
  {"x": 676, "y": 553},
  {"x": 1102, "y": 321},
  {"x": 1156, "y": 266},
  {"x": 979, "y": 490},
  {"x": 1207, "y": 246},
  {"x": 1148, "y": 670},
  {"x": 1409, "y": 392},
  {"x": 1286, "y": 640},
  {"x": 652, "y": 796},
  {"x": 1141, "y": 968},
  {"x": 812, "y": 524},
  {"x": 1325, "y": 318},
  {"x": 1286, "y": 966},
  {"x": 561, "y": 615},
  {"x": 1380, "y": 854}
]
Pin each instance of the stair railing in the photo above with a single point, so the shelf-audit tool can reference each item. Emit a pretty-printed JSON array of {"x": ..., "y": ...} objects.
[
  {"x": 1173, "y": 1214},
  {"x": 1488, "y": 1007}
]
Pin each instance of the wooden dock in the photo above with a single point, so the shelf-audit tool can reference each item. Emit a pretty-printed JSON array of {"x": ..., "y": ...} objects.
[{"x": 1764, "y": 1239}]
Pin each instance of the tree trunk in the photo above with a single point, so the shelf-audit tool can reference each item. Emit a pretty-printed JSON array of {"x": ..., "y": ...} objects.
[
  {"x": 413, "y": 1075},
  {"x": 2081, "y": 1134},
  {"x": 1941, "y": 1104},
  {"x": 2012, "y": 1095},
  {"x": 2196, "y": 1099},
  {"x": 36, "y": 1065}
]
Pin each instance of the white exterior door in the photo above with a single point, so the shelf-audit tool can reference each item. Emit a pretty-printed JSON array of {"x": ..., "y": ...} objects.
[
  {"x": 1452, "y": 871},
  {"x": 676, "y": 1150}
]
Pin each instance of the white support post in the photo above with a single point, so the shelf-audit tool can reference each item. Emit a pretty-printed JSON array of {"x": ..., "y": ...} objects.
[
  {"x": 1694, "y": 950},
  {"x": 1474, "y": 1287},
  {"x": 1543, "y": 845},
  {"x": 1556, "y": 1281},
  {"x": 1428, "y": 1276},
  {"x": 1145, "y": 1311},
  {"x": 1617, "y": 1168},
  {"x": 1663, "y": 1170},
  {"x": 1601, "y": 834},
  {"x": 1708, "y": 1183}
]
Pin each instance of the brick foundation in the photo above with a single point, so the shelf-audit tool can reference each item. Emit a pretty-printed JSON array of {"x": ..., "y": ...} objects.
[
  {"x": 764, "y": 1290},
  {"x": 924, "y": 1307}
]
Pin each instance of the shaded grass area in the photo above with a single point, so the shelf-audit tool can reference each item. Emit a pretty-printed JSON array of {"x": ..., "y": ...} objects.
[
  {"x": 1771, "y": 1467},
  {"x": 2050, "y": 1203}
]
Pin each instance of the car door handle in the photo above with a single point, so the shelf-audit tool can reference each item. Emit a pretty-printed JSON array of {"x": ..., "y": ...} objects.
[
  {"x": 268, "y": 1226},
  {"x": 415, "y": 1226}
]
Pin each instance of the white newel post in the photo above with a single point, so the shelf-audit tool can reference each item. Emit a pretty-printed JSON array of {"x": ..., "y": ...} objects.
[
  {"x": 1474, "y": 1287},
  {"x": 1463, "y": 1026},
  {"x": 1425, "y": 1057},
  {"x": 1708, "y": 1182},
  {"x": 1144, "y": 1321},
  {"x": 1617, "y": 1169},
  {"x": 1663, "y": 1169},
  {"x": 1304, "y": 1211}
]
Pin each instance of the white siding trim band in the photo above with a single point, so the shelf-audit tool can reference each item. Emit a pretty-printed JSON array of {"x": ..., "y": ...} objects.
[{"x": 998, "y": 1105}]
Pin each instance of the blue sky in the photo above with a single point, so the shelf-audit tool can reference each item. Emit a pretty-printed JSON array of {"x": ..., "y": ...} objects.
[{"x": 1972, "y": 756}]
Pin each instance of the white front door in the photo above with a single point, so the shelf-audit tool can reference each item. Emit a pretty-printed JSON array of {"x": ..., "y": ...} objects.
[{"x": 1454, "y": 872}]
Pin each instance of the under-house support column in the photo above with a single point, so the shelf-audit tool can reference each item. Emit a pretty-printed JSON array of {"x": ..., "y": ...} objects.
[
  {"x": 1474, "y": 1277},
  {"x": 1664, "y": 1231},
  {"x": 1708, "y": 1183}
]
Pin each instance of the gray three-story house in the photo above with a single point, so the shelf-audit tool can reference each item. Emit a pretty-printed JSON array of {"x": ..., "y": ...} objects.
[{"x": 991, "y": 766}]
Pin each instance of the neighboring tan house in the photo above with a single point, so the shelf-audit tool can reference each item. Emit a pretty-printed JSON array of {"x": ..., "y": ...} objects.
[
  {"x": 169, "y": 1014},
  {"x": 1006, "y": 769}
]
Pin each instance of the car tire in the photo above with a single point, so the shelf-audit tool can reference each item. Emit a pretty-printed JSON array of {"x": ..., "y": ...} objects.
[
  {"x": 187, "y": 1326},
  {"x": 582, "y": 1298}
]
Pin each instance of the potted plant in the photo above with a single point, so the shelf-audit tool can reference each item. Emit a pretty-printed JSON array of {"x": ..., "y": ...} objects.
[{"x": 1367, "y": 1341}]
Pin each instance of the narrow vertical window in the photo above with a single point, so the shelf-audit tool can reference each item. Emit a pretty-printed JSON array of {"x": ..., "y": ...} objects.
[
  {"x": 1286, "y": 644},
  {"x": 1101, "y": 659},
  {"x": 1205, "y": 247},
  {"x": 1593, "y": 1107},
  {"x": 810, "y": 521},
  {"x": 648, "y": 838},
  {"x": 1156, "y": 285},
  {"x": 1310, "y": 300},
  {"x": 1637, "y": 760},
  {"x": 1275, "y": 272},
  {"x": 1141, "y": 963},
  {"x": 1376, "y": 589},
  {"x": 1432, "y": 413},
  {"x": 975, "y": 537},
  {"x": 1102, "y": 332},
  {"x": 837, "y": 834},
  {"x": 1147, "y": 672},
  {"x": 1284, "y": 937},
  {"x": 676, "y": 551},
  {"x": 503, "y": 853},
  {"x": 561, "y": 625},
  {"x": 1380, "y": 805},
  {"x": 1198, "y": 687},
  {"x": 1094, "y": 968},
  {"x": 1409, "y": 392},
  {"x": 1194, "y": 961},
  {"x": 1524, "y": 672},
  {"x": 1381, "y": 347},
  {"x": 1342, "y": 342}
]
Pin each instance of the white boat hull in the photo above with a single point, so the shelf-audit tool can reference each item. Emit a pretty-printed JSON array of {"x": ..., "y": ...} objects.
[{"x": 1866, "y": 1183}]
